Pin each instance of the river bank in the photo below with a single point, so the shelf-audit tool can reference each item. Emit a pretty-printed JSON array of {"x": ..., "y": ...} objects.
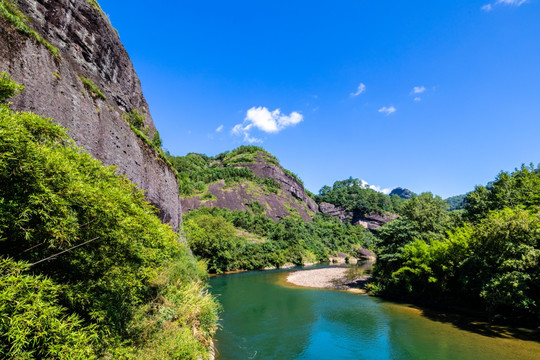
[{"x": 337, "y": 278}]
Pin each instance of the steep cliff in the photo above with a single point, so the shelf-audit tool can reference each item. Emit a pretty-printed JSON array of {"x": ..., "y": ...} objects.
[{"x": 76, "y": 71}]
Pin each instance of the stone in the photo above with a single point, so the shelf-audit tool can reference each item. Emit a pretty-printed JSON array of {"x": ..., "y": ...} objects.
[{"x": 89, "y": 46}]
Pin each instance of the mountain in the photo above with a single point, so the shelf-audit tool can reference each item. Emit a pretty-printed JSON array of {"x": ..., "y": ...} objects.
[
  {"x": 353, "y": 201},
  {"x": 402, "y": 193},
  {"x": 248, "y": 179},
  {"x": 456, "y": 202},
  {"x": 76, "y": 71}
]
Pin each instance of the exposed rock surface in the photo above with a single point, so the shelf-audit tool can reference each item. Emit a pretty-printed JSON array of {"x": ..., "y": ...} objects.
[
  {"x": 89, "y": 46},
  {"x": 402, "y": 193},
  {"x": 370, "y": 221},
  {"x": 291, "y": 199},
  {"x": 288, "y": 183}
]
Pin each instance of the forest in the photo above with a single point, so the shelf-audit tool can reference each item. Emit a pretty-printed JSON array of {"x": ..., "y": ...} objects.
[
  {"x": 484, "y": 257},
  {"x": 353, "y": 195},
  {"x": 237, "y": 240}
]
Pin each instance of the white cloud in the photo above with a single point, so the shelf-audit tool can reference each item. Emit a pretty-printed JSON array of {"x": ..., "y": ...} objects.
[
  {"x": 377, "y": 188},
  {"x": 219, "y": 128},
  {"x": 417, "y": 98},
  {"x": 361, "y": 88},
  {"x": 388, "y": 110},
  {"x": 511, "y": 2},
  {"x": 419, "y": 89},
  {"x": 487, "y": 7},
  {"x": 252, "y": 140},
  {"x": 265, "y": 120}
]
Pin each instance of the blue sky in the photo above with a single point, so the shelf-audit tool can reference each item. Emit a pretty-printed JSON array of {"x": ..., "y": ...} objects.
[{"x": 429, "y": 95}]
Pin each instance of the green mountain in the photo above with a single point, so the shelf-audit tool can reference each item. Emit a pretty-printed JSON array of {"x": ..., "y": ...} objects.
[{"x": 247, "y": 179}]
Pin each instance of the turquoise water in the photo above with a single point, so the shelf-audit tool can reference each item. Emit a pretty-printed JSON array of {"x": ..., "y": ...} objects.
[{"x": 263, "y": 318}]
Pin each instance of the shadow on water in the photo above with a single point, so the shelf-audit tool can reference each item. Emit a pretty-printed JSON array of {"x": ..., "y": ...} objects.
[{"x": 480, "y": 326}]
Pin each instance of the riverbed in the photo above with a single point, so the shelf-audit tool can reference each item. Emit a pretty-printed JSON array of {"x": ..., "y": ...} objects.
[{"x": 266, "y": 318}]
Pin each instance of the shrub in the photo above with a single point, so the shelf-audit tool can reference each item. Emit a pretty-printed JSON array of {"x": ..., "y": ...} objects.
[
  {"x": 8, "y": 88},
  {"x": 54, "y": 196}
]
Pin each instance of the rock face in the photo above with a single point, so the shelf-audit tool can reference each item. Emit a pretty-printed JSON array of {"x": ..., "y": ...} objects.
[
  {"x": 291, "y": 199},
  {"x": 288, "y": 183},
  {"x": 402, "y": 193},
  {"x": 370, "y": 221},
  {"x": 89, "y": 47}
]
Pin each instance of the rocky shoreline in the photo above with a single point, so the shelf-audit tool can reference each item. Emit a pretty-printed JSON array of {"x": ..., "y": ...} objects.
[{"x": 337, "y": 278}]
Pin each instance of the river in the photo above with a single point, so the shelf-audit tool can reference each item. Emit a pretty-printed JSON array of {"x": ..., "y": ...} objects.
[{"x": 264, "y": 318}]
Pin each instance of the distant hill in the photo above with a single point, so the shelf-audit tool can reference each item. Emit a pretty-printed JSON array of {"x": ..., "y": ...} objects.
[
  {"x": 353, "y": 201},
  {"x": 402, "y": 193},
  {"x": 248, "y": 178},
  {"x": 456, "y": 202}
]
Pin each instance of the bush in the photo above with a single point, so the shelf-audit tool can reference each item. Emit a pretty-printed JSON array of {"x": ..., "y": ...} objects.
[
  {"x": 54, "y": 196},
  {"x": 8, "y": 88}
]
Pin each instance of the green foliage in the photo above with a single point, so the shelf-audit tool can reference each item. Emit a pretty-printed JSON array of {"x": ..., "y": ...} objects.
[
  {"x": 353, "y": 195},
  {"x": 10, "y": 12},
  {"x": 33, "y": 323},
  {"x": 257, "y": 208},
  {"x": 456, "y": 202},
  {"x": 92, "y": 88},
  {"x": 54, "y": 196},
  {"x": 520, "y": 188},
  {"x": 294, "y": 176},
  {"x": 95, "y": 5},
  {"x": 197, "y": 170},
  {"x": 246, "y": 154},
  {"x": 212, "y": 235},
  {"x": 157, "y": 140},
  {"x": 490, "y": 263},
  {"x": 136, "y": 121},
  {"x": 8, "y": 88}
]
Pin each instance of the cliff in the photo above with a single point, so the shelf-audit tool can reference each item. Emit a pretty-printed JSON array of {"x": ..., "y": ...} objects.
[
  {"x": 76, "y": 71},
  {"x": 369, "y": 221},
  {"x": 262, "y": 185}
]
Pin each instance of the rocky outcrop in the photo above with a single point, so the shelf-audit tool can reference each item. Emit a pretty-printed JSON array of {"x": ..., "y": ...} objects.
[
  {"x": 89, "y": 48},
  {"x": 335, "y": 211},
  {"x": 370, "y": 221},
  {"x": 291, "y": 199},
  {"x": 288, "y": 183},
  {"x": 375, "y": 220}
]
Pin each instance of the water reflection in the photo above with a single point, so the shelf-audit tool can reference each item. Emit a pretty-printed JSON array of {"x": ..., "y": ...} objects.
[{"x": 263, "y": 320}]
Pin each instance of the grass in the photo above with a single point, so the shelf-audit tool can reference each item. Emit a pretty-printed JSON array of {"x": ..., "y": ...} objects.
[
  {"x": 134, "y": 118},
  {"x": 11, "y": 13},
  {"x": 207, "y": 196},
  {"x": 8, "y": 88},
  {"x": 95, "y": 5},
  {"x": 92, "y": 88}
]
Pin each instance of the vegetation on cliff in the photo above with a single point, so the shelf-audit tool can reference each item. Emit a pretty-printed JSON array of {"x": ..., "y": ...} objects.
[
  {"x": 198, "y": 170},
  {"x": 10, "y": 12},
  {"x": 353, "y": 195},
  {"x": 86, "y": 267},
  {"x": 486, "y": 257},
  {"x": 237, "y": 240}
]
